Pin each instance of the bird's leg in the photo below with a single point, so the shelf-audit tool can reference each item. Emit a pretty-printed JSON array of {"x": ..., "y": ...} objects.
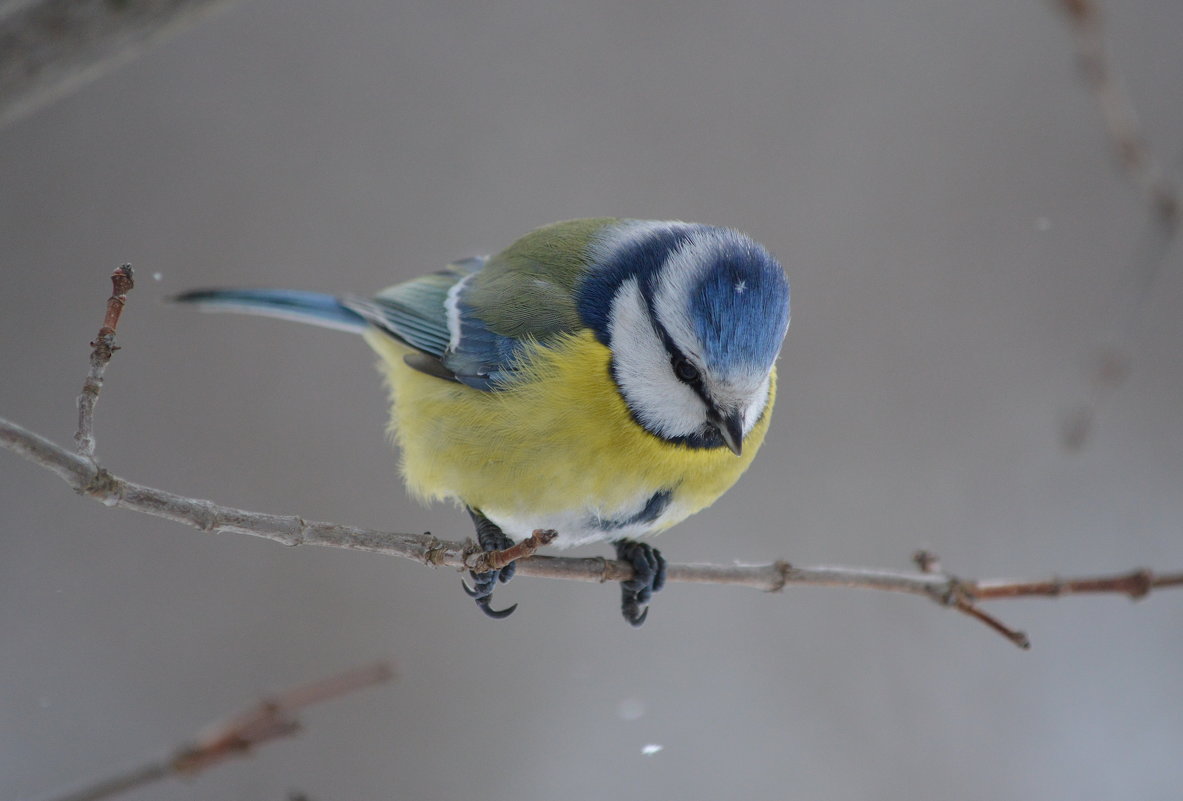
[
  {"x": 649, "y": 566},
  {"x": 491, "y": 538}
]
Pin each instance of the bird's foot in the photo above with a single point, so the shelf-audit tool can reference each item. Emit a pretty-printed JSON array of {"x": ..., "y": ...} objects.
[
  {"x": 491, "y": 538},
  {"x": 649, "y": 566}
]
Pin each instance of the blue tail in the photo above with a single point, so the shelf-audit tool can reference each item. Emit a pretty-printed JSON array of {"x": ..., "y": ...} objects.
[{"x": 288, "y": 304}]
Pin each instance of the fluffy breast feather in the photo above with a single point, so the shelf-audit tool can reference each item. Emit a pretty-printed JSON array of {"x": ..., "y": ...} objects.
[{"x": 557, "y": 449}]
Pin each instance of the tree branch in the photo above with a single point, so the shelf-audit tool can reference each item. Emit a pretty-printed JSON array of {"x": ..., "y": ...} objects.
[
  {"x": 103, "y": 348},
  {"x": 235, "y": 736},
  {"x": 91, "y": 480}
]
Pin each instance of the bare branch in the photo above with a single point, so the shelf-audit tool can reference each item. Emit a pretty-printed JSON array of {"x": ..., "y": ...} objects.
[
  {"x": 271, "y": 719},
  {"x": 495, "y": 560},
  {"x": 1019, "y": 638},
  {"x": 1136, "y": 584},
  {"x": 122, "y": 282},
  {"x": 88, "y": 479},
  {"x": 49, "y": 48}
]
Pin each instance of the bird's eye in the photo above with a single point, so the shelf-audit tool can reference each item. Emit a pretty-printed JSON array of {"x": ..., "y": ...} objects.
[{"x": 684, "y": 370}]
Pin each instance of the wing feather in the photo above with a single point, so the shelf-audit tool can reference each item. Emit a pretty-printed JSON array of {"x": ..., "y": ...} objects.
[{"x": 478, "y": 317}]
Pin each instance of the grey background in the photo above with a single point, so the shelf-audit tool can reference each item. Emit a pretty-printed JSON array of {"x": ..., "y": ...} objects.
[{"x": 935, "y": 180}]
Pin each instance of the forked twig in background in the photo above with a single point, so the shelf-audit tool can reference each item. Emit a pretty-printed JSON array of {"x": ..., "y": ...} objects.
[
  {"x": 271, "y": 719},
  {"x": 1110, "y": 364}
]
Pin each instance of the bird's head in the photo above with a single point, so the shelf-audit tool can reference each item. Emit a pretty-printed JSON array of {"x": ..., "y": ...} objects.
[{"x": 694, "y": 316}]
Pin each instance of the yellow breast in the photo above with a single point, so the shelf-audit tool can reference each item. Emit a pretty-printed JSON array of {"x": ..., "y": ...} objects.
[{"x": 558, "y": 449}]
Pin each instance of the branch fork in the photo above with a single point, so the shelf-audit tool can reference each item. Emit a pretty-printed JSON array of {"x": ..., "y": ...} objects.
[{"x": 483, "y": 561}]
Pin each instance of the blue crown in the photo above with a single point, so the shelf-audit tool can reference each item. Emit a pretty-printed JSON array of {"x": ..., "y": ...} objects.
[{"x": 741, "y": 307}]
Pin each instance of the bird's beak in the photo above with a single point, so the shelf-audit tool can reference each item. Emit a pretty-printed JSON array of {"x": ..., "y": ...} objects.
[{"x": 730, "y": 426}]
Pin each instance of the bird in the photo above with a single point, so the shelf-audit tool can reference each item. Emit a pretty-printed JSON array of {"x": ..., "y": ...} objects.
[{"x": 600, "y": 378}]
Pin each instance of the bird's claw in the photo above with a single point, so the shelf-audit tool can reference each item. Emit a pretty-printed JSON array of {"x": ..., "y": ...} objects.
[
  {"x": 482, "y": 593},
  {"x": 491, "y": 538},
  {"x": 649, "y": 568},
  {"x": 630, "y": 609},
  {"x": 496, "y": 614},
  {"x": 484, "y": 597}
]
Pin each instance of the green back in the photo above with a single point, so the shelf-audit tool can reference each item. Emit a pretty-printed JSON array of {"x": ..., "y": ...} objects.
[{"x": 528, "y": 290}]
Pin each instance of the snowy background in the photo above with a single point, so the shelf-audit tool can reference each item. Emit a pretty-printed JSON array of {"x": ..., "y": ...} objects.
[{"x": 937, "y": 183}]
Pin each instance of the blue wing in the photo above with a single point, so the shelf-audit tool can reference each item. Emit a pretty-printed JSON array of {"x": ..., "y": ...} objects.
[
  {"x": 480, "y": 357},
  {"x": 431, "y": 315},
  {"x": 415, "y": 311},
  {"x": 428, "y": 313}
]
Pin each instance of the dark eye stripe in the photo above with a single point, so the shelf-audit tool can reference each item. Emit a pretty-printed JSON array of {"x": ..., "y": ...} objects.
[
  {"x": 684, "y": 369},
  {"x": 677, "y": 358}
]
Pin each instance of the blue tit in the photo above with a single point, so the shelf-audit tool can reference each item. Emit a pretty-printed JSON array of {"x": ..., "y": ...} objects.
[{"x": 604, "y": 378}]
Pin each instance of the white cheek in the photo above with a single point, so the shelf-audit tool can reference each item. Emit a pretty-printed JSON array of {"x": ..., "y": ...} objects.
[
  {"x": 663, "y": 404},
  {"x": 756, "y": 408},
  {"x": 683, "y": 271}
]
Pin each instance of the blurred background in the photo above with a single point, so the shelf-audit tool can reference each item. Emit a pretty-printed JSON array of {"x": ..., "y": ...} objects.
[{"x": 936, "y": 181}]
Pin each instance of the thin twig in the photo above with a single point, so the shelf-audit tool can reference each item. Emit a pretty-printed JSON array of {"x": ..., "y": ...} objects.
[
  {"x": 103, "y": 347},
  {"x": 1136, "y": 584},
  {"x": 271, "y": 719},
  {"x": 1019, "y": 638},
  {"x": 495, "y": 560}
]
